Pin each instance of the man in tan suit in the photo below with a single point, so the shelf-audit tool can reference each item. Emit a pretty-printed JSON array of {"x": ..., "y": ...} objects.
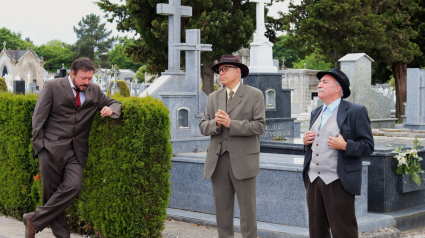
[
  {"x": 61, "y": 122},
  {"x": 235, "y": 119}
]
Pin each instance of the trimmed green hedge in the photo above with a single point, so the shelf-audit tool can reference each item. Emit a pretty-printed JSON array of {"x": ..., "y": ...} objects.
[
  {"x": 3, "y": 86},
  {"x": 126, "y": 179},
  {"x": 124, "y": 90}
]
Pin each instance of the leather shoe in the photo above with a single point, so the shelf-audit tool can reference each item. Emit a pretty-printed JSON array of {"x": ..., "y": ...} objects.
[{"x": 30, "y": 229}]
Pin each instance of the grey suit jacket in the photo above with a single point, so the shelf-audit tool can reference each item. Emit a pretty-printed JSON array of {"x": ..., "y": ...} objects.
[
  {"x": 247, "y": 114},
  {"x": 57, "y": 122},
  {"x": 354, "y": 124}
]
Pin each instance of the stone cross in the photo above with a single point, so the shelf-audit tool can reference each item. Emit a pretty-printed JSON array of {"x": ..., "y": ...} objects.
[
  {"x": 63, "y": 65},
  {"x": 283, "y": 63},
  {"x": 4, "y": 45},
  {"x": 261, "y": 28},
  {"x": 174, "y": 10},
  {"x": 305, "y": 65},
  {"x": 115, "y": 76},
  {"x": 193, "y": 48},
  {"x": 17, "y": 78}
]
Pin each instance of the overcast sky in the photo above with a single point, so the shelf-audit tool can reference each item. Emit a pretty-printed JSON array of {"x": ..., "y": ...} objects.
[{"x": 46, "y": 20}]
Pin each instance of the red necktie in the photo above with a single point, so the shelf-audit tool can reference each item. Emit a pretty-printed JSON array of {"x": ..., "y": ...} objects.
[{"x": 77, "y": 98}]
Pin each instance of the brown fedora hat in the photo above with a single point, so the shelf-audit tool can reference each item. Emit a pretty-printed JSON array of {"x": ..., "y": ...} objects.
[
  {"x": 340, "y": 77},
  {"x": 233, "y": 60}
]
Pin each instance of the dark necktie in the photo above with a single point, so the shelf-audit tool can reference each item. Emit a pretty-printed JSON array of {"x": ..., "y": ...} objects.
[
  {"x": 230, "y": 97},
  {"x": 77, "y": 98}
]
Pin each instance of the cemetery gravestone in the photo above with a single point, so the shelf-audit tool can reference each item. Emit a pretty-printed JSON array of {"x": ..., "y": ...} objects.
[
  {"x": 358, "y": 68},
  {"x": 415, "y": 106}
]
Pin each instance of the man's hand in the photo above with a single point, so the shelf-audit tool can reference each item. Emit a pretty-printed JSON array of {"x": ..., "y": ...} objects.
[
  {"x": 222, "y": 118},
  {"x": 106, "y": 112},
  {"x": 337, "y": 143},
  {"x": 309, "y": 137}
]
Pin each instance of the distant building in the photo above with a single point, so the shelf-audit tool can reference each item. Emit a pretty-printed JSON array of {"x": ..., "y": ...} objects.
[{"x": 23, "y": 63}]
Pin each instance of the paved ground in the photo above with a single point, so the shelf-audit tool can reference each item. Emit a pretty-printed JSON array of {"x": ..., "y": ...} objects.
[{"x": 11, "y": 228}]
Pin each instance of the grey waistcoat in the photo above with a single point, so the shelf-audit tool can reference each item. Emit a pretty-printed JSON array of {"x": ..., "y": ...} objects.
[{"x": 323, "y": 159}]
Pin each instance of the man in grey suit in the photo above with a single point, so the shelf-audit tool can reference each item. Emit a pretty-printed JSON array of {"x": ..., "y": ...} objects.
[
  {"x": 235, "y": 119},
  {"x": 61, "y": 122},
  {"x": 339, "y": 136}
]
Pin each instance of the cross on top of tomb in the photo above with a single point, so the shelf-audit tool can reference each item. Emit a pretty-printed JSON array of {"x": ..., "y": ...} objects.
[
  {"x": 283, "y": 63},
  {"x": 174, "y": 10},
  {"x": 260, "y": 27}
]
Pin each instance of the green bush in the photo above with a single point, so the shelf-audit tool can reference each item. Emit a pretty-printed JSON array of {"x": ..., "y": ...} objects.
[
  {"x": 17, "y": 166},
  {"x": 126, "y": 179},
  {"x": 124, "y": 89},
  {"x": 3, "y": 86}
]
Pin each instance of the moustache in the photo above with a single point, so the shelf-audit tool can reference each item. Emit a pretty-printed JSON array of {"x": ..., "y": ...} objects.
[{"x": 320, "y": 90}]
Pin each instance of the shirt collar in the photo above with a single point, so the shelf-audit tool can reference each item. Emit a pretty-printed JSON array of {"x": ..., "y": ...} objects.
[
  {"x": 333, "y": 105},
  {"x": 234, "y": 90},
  {"x": 70, "y": 82}
]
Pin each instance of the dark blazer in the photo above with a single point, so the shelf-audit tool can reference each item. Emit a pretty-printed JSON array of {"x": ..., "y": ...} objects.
[
  {"x": 354, "y": 125},
  {"x": 57, "y": 122},
  {"x": 247, "y": 112}
]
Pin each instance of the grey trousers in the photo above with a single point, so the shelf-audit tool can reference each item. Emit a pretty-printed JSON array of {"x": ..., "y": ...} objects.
[
  {"x": 61, "y": 180},
  {"x": 224, "y": 186}
]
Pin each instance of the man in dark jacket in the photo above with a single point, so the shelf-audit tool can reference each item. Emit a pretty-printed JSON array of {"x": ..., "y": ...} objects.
[{"x": 339, "y": 136}]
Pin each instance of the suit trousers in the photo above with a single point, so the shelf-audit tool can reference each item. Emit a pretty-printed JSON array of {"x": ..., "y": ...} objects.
[
  {"x": 224, "y": 186},
  {"x": 61, "y": 180},
  {"x": 330, "y": 207}
]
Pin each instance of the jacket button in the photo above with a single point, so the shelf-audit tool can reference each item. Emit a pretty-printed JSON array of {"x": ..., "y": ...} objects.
[
  {"x": 220, "y": 143},
  {"x": 76, "y": 112},
  {"x": 226, "y": 139},
  {"x": 317, "y": 164},
  {"x": 75, "y": 125},
  {"x": 318, "y": 172},
  {"x": 317, "y": 154},
  {"x": 318, "y": 135},
  {"x": 72, "y": 137},
  {"x": 317, "y": 144},
  {"x": 217, "y": 154}
]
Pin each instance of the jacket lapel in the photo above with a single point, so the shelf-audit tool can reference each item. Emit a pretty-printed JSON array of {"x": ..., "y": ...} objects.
[
  {"x": 342, "y": 113},
  {"x": 222, "y": 99},
  {"x": 89, "y": 96},
  {"x": 67, "y": 90},
  {"x": 314, "y": 116},
  {"x": 236, "y": 100}
]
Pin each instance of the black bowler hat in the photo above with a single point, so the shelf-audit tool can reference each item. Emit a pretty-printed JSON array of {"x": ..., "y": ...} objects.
[
  {"x": 233, "y": 60},
  {"x": 340, "y": 77}
]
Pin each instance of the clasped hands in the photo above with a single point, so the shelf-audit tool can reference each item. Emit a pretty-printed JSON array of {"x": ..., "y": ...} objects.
[
  {"x": 222, "y": 118},
  {"x": 337, "y": 143}
]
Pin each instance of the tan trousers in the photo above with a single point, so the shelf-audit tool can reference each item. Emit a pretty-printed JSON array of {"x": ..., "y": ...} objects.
[
  {"x": 330, "y": 207},
  {"x": 224, "y": 186},
  {"x": 62, "y": 180}
]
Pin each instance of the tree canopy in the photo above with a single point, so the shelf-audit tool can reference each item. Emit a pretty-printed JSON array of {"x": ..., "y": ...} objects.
[
  {"x": 382, "y": 29},
  {"x": 13, "y": 40},
  {"x": 55, "y": 53},
  {"x": 93, "y": 39},
  {"x": 118, "y": 56}
]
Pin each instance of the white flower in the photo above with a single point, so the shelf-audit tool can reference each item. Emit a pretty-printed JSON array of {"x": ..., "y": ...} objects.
[{"x": 403, "y": 160}]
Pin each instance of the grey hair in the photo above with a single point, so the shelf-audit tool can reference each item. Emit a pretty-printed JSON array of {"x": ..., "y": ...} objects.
[{"x": 342, "y": 91}]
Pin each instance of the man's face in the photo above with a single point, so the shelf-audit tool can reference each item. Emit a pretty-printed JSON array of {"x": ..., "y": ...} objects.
[
  {"x": 328, "y": 89},
  {"x": 231, "y": 76},
  {"x": 82, "y": 79}
]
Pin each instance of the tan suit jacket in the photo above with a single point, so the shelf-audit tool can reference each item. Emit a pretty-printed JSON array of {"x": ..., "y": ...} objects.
[
  {"x": 247, "y": 114},
  {"x": 57, "y": 122}
]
